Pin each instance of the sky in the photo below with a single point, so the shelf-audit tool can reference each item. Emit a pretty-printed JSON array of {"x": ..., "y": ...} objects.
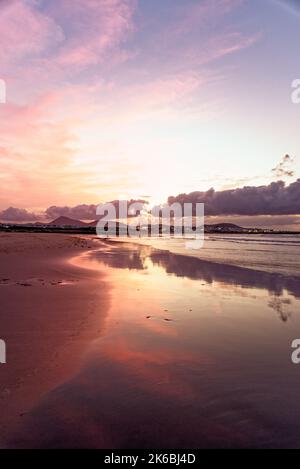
[{"x": 124, "y": 99}]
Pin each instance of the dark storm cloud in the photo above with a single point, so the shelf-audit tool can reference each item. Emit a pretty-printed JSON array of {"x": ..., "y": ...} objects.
[
  {"x": 79, "y": 212},
  {"x": 13, "y": 214},
  {"x": 274, "y": 199},
  {"x": 82, "y": 212}
]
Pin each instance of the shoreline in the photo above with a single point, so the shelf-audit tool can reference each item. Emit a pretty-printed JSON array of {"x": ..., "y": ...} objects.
[
  {"x": 178, "y": 329},
  {"x": 218, "y": 262},
  {"x": 91, "y": 230},
  {"x": 188, "y": 348},
  {"x": 51, "y": 312}
]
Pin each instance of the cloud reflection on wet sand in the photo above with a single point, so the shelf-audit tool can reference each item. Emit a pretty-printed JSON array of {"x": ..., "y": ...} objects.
[{"x": 192, "y": 357}]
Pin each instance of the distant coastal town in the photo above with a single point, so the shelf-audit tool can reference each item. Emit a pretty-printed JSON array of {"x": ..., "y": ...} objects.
[{"x": 69, "y": 225}]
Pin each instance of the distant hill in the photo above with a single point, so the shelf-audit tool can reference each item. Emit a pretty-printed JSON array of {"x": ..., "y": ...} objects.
[
  {"x": 225, "y": 227},
  {"x": 66, "y": 221},
  {"x": 219, "y": 227}
]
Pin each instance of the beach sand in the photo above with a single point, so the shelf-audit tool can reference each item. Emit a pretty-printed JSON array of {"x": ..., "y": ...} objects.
[
  {"x": 50, "y": 311},
  {"x": 117, "y": 345}
]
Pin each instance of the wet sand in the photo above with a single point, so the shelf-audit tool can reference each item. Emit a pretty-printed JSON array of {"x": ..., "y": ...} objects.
[
  {"x": 178, "y": 352},
  {"x": 51, "y": 310},
  {"x": 194, "y": 354}
]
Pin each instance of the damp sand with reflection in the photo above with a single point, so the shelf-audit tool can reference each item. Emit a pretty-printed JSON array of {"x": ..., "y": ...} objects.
[{"x": 193, "y": 354}]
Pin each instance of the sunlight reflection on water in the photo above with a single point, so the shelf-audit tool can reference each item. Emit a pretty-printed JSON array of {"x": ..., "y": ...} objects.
[{"x": 194, "y": 354}]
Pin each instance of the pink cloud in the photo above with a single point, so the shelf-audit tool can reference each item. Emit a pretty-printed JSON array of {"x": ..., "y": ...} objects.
[
  {"x": 25, "y": 32},
  {"x": 164, "y": 92},
  {"x": 67, "y": 33},
  {"x": 199, "y": 15},
  {"x": 46, "y": 49},
  {"x": 219, "y": 46},
  {"x": 36, "y": 152},
  {"x": 44, "y": 52},
  {"x": 196, "y": 34},
  {"x": 99, "y": 27}
]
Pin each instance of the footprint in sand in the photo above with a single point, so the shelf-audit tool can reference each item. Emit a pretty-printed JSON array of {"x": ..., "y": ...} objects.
[{"x": 4, "y": 281}]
